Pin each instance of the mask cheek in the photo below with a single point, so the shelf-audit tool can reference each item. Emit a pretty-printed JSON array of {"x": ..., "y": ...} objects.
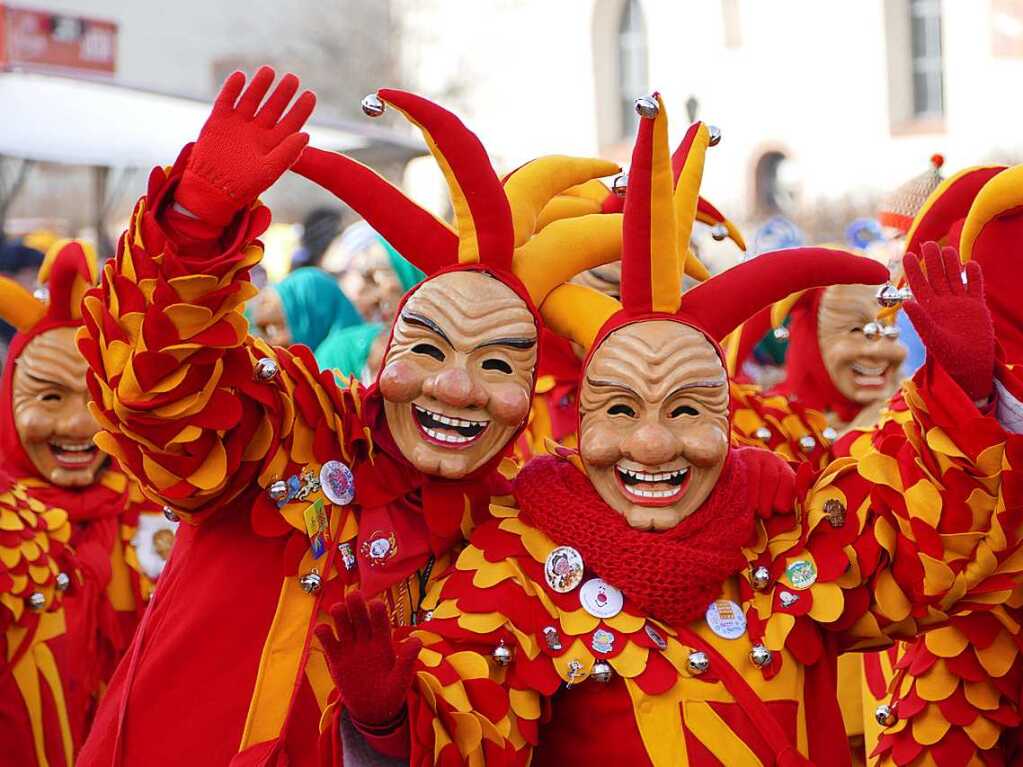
[
  {"x": 508, "y": 404},
  {"x": 33, "y": 425},
  {"x": 401, "y": 381},
  {"x": 599, "y": 444},
  {"x": 705, "y": 445}
]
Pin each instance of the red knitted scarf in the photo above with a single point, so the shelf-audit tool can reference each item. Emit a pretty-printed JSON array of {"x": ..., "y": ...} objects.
[{"x": 673, "y": 575}]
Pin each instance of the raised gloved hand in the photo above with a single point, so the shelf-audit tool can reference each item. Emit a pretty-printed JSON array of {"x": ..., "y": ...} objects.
[
  {"x": 244, "y": 148},
  {"x": 952, "y": 319},
  {"x": 372, "y": 672},
  {"x": 771, "y": 483}
]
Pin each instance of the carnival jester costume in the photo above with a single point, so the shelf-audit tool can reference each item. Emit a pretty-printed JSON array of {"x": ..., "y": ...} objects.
[
  {"x": 291, "y": 488},
  {"x": 643, "y": 583}
]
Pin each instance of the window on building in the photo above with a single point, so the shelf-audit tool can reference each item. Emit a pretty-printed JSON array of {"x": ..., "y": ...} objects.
[
  {"x": 632, "y": 64},
  {"x": 926, "y": 63}
]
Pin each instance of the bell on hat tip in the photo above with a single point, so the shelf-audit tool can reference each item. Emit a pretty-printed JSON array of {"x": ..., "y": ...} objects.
[
  {"x": 715, "y": 135},
  {"x": 266, "y": 369},
  {"x": 808, "y": 443},
  {"x": 501, "y": 654},
  {"x": 169, "y": 514},
  {"x": 373, "y": 105},
  {"x": 719, "y": 232},
  {"x": 37, "y": 600},
  {"x": 601, "y": 672},
  {"x": 781, "y": 333},
  {"x": 698, "y": 662},
  {"x": 647, "y": 106},
  {"x": 62, "y": 582},
  {"x": 889, "y": 295},
  {"x": 620, "y": 184},
  {"x": 885, "y": 715}
]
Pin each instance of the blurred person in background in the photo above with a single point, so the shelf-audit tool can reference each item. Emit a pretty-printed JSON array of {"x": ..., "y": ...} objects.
[
  {"x": 46, "y": 445},
  {"x": 306, "y": 307},
  {"x": 319, "y": 230},
  {"x": 19, "y": 261},
  {"x": 375, "y": 276}
]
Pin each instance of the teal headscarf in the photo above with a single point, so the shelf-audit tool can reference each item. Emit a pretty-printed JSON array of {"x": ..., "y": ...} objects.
[
  {"x": 408, "y": 275},
  {"x": 314, "y": 306}
]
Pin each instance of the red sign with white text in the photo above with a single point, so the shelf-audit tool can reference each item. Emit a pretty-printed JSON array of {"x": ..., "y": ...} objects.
[{"x": 42, "y": 40}]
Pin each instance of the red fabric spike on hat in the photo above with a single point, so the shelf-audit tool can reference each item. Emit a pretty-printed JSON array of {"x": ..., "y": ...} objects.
[
  {"x": 411, "y": 230},
  {"x": 492, "y": 238}
]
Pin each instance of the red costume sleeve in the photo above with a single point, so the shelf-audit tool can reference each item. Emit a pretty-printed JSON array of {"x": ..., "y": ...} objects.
[{"x": 174, "y": 375}]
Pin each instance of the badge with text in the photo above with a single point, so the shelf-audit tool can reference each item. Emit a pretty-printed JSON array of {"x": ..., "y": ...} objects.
[
  {"x": 726, "y": 619},
  {"x": 600, "y": 599},
  {"x": 802, "y": 574},
  {"x": 337, "y": 483},
  {"x": 563, "y": 569},
  {"x": 316, "y": 526}
]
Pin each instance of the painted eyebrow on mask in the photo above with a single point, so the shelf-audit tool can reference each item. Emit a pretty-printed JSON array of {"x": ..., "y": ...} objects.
[
  {"x": 612, "y": 385},
  {"x": 45, "y": 381},
  {"x": 425, "y": 322},
  {"x": 707, "y": 384},
  {"x": 515, "y": 343}
]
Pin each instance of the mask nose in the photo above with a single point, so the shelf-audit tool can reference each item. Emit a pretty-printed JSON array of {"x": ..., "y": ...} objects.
[
  {"x": 650, "y": 445},
  {"x": 455, "y": 387},
  {"x": 77, "y": 422}
]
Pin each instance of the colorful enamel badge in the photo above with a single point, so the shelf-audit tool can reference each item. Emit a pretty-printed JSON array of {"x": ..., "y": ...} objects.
[
  {"x": 316, "y": 526},
  {"x": 603, "y": 641},
  {"x": 563, "y": 569},
  {"x": 802, "y": 574},
  {"x": 337, "y": 483},
  {"x": 379, "y": 548}
]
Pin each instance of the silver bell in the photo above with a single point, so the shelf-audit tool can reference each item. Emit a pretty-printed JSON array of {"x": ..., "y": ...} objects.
[
  {"x": 647, "y": 106},
  {"x": 763, "y": 433},
  {"x": 781, "y": 333},
  {"x": 787, "y": 598},
  {"x": 885, "y": 715},
  {"x": 278, "y": 491},
  {"x": 266, "y": 369},
  {"x": 872, "y": 331},
  {"x": 715, "y": 134},
  {"x": 889, "y": 295},
  {"x": 310, "y": 582},
  {"x": 829, "y": 434},
  {"x": 760, "y": 656},
  {"x": 620, "y": 184},
  {"x": 761, "y": 578},
  {"x": 373, "y": 105},
  {"x": 808, "y": 443},
  {"x": 698, "y": 662},
  {"x": 37, "y": 601},
  {"x": 601, "y": 672},
  {"x": 62, "y": 582},
  {"x": 170, "y": 514},
  {"x": 41, "y": 294},
  {"x": 891, "y": 332},
  {"x": 719, "y": 232},
  {"x": 502, "y": 654}
]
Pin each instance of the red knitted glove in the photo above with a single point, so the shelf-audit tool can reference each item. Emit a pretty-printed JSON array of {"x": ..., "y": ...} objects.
[
  {"x": 372, "y": 672},
  {"x": 241, "y": 152},
  {"x": 771, "y": 480},
  {"x": 952, "y": 319}
]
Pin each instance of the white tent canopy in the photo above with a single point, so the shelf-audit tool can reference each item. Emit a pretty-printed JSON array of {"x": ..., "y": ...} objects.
[{"x": 51, "y": 118}]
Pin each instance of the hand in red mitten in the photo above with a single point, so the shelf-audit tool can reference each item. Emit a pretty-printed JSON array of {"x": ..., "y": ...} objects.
[
  {"x": 244, "y": 148},
  {"x": 372, "y": 672},
  {"x": 771, "y": 480},
  {"x": 952, "y": 319}
]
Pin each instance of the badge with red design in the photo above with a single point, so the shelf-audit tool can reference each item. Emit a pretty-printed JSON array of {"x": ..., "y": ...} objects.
[
  {"x": 563, "y": 569},
  {"x": 600, "y": 599},
  {"x": 380, "y": 548},
  {"x": 337, "y": 482}
]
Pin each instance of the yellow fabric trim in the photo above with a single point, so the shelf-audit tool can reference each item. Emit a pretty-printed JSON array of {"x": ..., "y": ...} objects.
[
  {"x": 665, "y": 254},
  {"x": 933, "y": 197},
  {"x": 686, "y": 195},
  {"x": 278, "y": 665},
  {"x": 717, "y": 737},
  {"x": 577, "y": 313},
  {"x": 26, "y": 677},
  {"x": 465, "y": 225},
  {"x": 536, "y": 183},
  {"x": 18, "y": 307},
  {"x": 780, "y": 309},
  {"x": 47, "y": 666},
  {"x": 564, "y": 249},
  {"x": 659, "y": 720},
  {"x": 1001, "y": 193}
]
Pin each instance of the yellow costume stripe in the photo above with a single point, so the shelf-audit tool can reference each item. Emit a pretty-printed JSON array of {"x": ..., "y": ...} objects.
[
  {"x": 1001, "y": 193},
  {"x": 665, "y": 279},
  {"x": 687, "y": 192}
]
